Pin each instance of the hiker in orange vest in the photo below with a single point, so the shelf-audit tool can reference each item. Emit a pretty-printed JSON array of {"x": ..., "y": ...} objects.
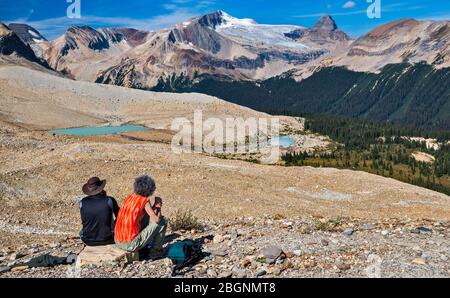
[{"x": 130, "y": 234}]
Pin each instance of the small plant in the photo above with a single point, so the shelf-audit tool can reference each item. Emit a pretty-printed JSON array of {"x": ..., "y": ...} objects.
[
  {"x": 328, "y": 225},
  {"x": 184, "y": 220},
  {"x": 261, "y": 259}
]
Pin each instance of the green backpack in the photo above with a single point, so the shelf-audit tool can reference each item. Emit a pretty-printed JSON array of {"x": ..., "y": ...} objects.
[{"x": 184, "y": 253}]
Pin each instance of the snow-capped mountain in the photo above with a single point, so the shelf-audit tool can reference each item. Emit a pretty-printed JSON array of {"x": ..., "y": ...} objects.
[
  {"x": 250, "y": 32},
  {"x": 226, "y": 47},
  {"x": 216, "y": 44}
]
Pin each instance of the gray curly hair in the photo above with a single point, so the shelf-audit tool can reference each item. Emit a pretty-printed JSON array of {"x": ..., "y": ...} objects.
[{"x": 144, "y": 186}]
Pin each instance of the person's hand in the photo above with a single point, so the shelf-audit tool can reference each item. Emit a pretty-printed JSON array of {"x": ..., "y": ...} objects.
[{"x": 158, "y": 203}]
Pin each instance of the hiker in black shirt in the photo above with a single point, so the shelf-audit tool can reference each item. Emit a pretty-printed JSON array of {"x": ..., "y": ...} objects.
[{"x": 97, "y": 210}]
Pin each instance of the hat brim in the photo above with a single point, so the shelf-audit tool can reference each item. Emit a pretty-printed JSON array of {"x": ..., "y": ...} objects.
[{"x": 93, "y": 192}]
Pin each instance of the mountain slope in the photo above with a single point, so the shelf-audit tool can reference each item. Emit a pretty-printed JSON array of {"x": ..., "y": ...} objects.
[
  {"x": 415, "y": 95},
  {"x": 406, "y": 40},
  {"x": 14, "y": 51},
  {"x": 84, "y": 45}
]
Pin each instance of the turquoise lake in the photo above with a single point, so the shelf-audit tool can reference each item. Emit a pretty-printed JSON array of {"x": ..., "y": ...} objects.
[
  {"x": 98, "y": 130},
  {"x": 282, "y": 141}
]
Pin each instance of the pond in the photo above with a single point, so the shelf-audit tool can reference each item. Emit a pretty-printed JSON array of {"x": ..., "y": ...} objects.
[
  {"x": 98, "y": 130},
  {"x": 282, "y": 141}
]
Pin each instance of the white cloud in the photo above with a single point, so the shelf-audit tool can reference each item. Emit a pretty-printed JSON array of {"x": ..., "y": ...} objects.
[
  {"x": 349, "y": 4},
  {"x": 386, "y": 8},
  {"x": 313, "y": 15}
]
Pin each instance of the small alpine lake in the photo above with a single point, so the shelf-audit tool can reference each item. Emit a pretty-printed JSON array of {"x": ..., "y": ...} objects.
[
  {"x": 282, "y": 141},
  {"x": 98, "y": 130}
]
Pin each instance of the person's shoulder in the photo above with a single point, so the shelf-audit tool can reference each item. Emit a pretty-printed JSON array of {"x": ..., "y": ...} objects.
[{"x": 85, "y": 198}]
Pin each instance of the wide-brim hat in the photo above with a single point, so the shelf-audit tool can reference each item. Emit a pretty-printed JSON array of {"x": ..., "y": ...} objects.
[{"x": 94, "y": 186}]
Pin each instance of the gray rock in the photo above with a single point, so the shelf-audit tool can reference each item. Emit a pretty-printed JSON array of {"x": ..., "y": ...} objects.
[
  {"x": 261, "y": 272},
  {"x": 307, "y": 251},
  {"x": 367, "y": 227},
  {"x": 271, "y": 252},
  {"x": 297, "y": 252},
  {"x": 426, "y": 256},
  {"x": 4, "y": 269},
  {"x": 225, "y": 274},
  {"x": 239, "y": 273},
  {"x": 211, "y": 273},
  {"x": 422, "y": 230},
  {"x": 348, "y": 232},
  {"x": 276, "y": 271},
  {"x": 219, "y": 252}
]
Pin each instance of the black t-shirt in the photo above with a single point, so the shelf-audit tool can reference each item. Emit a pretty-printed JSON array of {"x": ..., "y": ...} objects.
[{"x": 97, "y": 219}]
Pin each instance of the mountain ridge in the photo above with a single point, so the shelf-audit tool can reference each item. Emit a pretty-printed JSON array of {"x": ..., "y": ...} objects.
[{"x": 220, "y": 48}]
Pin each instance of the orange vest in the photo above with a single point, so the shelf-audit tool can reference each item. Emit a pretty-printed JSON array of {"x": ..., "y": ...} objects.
[{"x": 128, "y": 223}]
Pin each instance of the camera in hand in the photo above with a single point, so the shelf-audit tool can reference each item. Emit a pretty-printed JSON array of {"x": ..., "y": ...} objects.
[{"x": 157, "y": 206}]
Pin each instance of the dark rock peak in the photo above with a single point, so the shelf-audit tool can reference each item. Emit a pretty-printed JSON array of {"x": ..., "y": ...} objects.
[
  {"x": 132, "y": 36},
  {"x": 26, "y": 33},
  {"x": 86, "y": 36},
  {"x": 11, "y": 44},
  {"x": 324, "y": 29},
  {"x": 212, "y": 19},
  {"x": 325, "y": 23}
]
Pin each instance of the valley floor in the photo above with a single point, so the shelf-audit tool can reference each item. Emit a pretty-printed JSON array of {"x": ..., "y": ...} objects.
[{"x": 41, "y": 175}]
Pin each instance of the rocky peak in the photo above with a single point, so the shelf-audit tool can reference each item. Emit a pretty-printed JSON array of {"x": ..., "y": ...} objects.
[
  {"x": 325, "y": 23},
  {"x": 323, "y": 31},
  {"x": 212, "y": 19},
  {"x": 133, "y": 36},
  {"x": 11, "y": 44},
  {"x": 26, "y": 33},
  {"x": 86, "y": 36}
]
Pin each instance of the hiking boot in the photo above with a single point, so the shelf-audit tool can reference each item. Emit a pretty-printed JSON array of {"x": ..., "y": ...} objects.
[
  {"x": 157, "y": 254},
  {"x": 144, "y": 253}
]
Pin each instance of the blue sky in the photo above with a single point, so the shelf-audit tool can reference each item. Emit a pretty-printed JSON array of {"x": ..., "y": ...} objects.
[{"x": 49, "y": 16}]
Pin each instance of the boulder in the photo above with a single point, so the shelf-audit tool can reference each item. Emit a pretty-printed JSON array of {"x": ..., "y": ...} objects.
[
  {"x": 271, "y": 253},
  {"x": 348, "y": 232},
  {"x": 107, "y": 253}
]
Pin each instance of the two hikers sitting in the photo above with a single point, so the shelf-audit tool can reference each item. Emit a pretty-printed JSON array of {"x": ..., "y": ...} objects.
[{"x": 129, "y": 230}]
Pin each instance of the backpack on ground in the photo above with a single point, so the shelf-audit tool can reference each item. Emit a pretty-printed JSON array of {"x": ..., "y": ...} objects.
[{"x": 184, "y": 253}]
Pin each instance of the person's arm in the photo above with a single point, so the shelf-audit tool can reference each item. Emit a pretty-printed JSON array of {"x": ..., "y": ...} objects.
[
  {"x": 115, "y": 207},
  {"x": 153, "y": 216}
]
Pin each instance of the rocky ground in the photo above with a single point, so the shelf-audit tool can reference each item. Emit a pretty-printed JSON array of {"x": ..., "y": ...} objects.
[
  {"x": 276, "y": 247},
  {"x": 41, "y": 175}
]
